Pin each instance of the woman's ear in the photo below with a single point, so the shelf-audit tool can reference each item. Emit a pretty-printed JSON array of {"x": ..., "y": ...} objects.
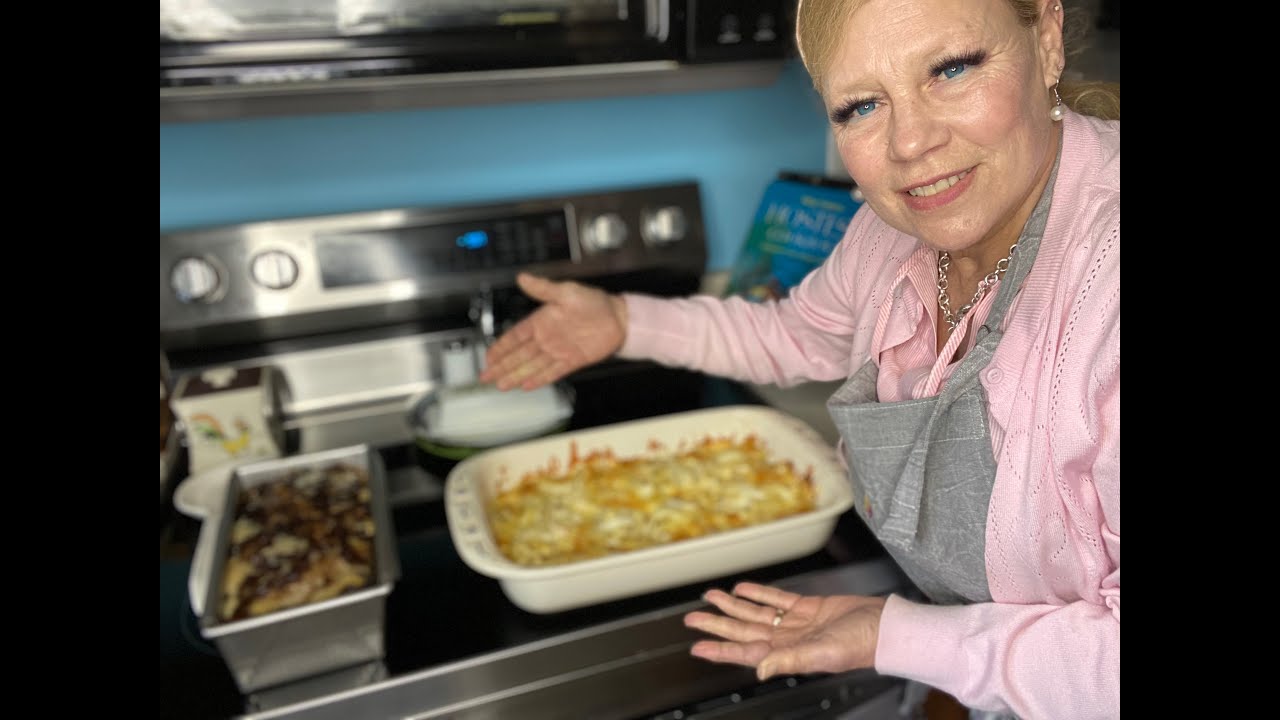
[{"x": 1049, "y": 34}]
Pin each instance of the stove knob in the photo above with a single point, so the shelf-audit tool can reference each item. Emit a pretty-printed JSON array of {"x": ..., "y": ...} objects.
[
  {"x": 194, "y": 280},
  {"x": 605, "y": 232},
  {"x": 274, "y": 269},
  {"x": 664, "y": 225}
]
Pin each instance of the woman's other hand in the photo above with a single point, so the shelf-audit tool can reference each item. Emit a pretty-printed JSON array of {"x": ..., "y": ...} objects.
[
  {"x": 576, "y": 326},
  {"x": 814, "y": 633}
]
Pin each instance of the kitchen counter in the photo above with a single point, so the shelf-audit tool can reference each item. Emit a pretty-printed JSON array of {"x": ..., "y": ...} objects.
[{"x": 807, "y": 402}]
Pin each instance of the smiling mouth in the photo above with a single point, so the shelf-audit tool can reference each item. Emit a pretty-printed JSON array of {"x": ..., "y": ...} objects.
[{"x": 937, "y": 187}]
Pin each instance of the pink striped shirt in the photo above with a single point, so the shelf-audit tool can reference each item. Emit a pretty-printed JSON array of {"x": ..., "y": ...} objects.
[{"x": 1049, "y": 646}]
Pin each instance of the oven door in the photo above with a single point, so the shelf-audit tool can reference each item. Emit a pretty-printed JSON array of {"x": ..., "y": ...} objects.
[{"x": 243, "y": 42}]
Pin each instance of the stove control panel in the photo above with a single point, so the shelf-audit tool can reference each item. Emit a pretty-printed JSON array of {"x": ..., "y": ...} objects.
[
  {"x": 196, "y": 279},
  {"x": 269, "y": 272},
  {"x": 604, "y": 233},
  {"x": 664, "y": 225},
  {"x": 274, "y": 269}
]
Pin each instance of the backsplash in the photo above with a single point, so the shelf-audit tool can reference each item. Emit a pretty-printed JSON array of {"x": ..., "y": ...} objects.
[{"x": 732, "y": 142}]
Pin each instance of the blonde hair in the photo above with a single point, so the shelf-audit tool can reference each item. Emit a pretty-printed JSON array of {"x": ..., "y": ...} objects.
[{"x": 820, "y": 23}]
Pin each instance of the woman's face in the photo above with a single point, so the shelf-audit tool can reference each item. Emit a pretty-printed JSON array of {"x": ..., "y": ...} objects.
[{"x": 940, "y": 110}]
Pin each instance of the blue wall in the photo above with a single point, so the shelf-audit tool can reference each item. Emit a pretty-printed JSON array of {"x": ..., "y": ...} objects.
[{"x": 732, "y": 142}]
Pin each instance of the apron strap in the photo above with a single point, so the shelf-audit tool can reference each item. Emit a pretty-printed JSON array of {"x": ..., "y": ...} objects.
[{"x": 903, "y": 520}]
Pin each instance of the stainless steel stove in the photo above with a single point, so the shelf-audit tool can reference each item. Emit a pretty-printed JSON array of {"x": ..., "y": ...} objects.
[{"x": 356, "y": 312}]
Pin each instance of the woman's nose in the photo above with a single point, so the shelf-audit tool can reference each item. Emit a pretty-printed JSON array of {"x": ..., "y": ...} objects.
[{"x": 915, "y": 129}]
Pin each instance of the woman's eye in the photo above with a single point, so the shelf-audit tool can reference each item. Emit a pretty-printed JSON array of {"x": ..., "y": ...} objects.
[
  {"x": 953, "y": 70},
  {"x": 853, "y": 111}
]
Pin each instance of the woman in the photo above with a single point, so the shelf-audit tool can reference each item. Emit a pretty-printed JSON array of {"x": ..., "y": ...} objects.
[{"x": 974, "y": 308}]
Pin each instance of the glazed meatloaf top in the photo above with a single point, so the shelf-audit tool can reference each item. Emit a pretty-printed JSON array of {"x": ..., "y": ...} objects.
[{"x": 301, "y": 539}]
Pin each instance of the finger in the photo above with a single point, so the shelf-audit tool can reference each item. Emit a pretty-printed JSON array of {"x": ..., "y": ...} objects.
[
  {"x": 727, "y": 627},
  {"x": 748, "y": 654},
  {"x": 740, "y": 608},
  {"x": 508, "y": 342},
  {"x": 499, "y": 360},
  {"x": 767, "y": 595},
  {"x": 538, "y": 288},
  {"x": 517, "y": 376},
  {"x": 507, "y": 370}
]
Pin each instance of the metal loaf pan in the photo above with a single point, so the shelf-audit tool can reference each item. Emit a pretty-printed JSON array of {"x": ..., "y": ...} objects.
[
  {"x": 318, "y": 637},
  {"x": 473, "y": 482}
]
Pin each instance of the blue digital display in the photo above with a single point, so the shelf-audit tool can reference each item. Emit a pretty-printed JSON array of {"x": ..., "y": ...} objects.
[
  {"x": 473, "y": 240},
  {"x": 377, "y": 255}
]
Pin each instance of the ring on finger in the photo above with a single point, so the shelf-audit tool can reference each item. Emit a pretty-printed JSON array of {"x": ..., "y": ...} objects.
[{"x": 777, "y": 616}]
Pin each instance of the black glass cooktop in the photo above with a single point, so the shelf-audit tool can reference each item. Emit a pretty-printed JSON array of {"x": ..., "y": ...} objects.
[{"x": 435, "y": 584}]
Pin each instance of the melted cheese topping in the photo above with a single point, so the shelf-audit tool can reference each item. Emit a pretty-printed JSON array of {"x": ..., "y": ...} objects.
[{"x": 603, "y": 504}]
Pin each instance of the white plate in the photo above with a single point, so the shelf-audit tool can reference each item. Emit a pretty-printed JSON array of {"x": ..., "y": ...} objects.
[
  {"x": 482, "y": 439},
  {"x": 201, "y": 495},
  {"x": 483, "y": 416}
]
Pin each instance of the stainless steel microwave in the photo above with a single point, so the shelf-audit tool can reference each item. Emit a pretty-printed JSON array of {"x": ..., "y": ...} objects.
[{"x": 256, "y": 48}]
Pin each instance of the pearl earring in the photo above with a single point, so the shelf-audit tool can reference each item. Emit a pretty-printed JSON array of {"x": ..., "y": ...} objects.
[{"x": 1056, "y": 113}]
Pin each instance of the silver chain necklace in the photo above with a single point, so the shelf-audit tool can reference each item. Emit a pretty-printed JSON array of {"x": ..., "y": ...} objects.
[{"x": 944, "y": 302}]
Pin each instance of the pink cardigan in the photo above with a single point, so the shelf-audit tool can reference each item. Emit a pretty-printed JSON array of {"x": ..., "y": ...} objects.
[{"x": 1049, "y": 646}]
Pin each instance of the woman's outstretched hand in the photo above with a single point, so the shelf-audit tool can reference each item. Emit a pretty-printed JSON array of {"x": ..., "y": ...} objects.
[
  {"x": 811, "y": 633},
  {"x": 576, "y": 326}
]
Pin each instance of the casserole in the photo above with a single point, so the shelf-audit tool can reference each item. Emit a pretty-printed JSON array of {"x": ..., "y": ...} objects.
[
  {"x": 473, "y": 483},
  {"x": 313, "y": 638}
]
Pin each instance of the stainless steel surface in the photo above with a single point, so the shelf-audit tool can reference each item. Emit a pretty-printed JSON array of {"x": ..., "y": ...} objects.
[
  {"x": 205, "y": 104},
  {"x": 229, "y": 299},
  {"x": 197, "y": 279},
  {"x": 274, "y": 270},
  {"x": 622, "y": 669},
  {"x": 318, "y": 637},
  {"x": 482, "y": 314},
  {"x": 362, "y": 390},
  {"x": 354, "y": 357},
  {"x": 221, "y": 60},
  {"x": 317, "y": 686},
  {"x": 256, "y": 19}
]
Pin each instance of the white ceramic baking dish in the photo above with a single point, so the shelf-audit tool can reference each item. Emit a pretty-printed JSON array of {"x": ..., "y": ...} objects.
[{"x": 474, "y": 481}]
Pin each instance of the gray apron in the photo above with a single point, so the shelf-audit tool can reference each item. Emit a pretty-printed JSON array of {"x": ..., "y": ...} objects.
[
  {"x": 922, "y": 470},
  {"x": 897, "y": 450}
]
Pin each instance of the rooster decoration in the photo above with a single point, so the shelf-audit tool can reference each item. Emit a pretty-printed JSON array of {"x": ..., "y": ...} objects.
[{"x": 210, "y": 428}]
